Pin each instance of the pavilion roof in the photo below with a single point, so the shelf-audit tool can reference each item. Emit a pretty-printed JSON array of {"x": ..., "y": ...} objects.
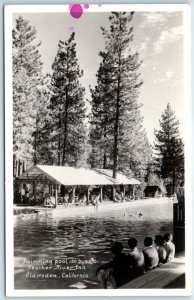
[
  {"x": 74, "y": 176},
  {"x": 121, "y": 178}
]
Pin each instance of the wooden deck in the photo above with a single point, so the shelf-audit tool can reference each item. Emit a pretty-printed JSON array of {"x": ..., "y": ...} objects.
[{"x": 161, "y": 277}]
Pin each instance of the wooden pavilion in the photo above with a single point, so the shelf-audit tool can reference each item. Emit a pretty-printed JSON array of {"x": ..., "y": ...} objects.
[{"x": 56, "y": 176}]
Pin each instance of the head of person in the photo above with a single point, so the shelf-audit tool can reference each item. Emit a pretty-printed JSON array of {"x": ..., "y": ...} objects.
[
  {"x": 148, "y": 241},
  {"x": 116, "y": 248},
  {"x": 167, "y": 237},
  {"x": 132, "y": 243},
  {"x": 159, "y": 240}
]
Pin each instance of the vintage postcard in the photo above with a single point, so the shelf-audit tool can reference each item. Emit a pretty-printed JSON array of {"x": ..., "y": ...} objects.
[{"x": 98, "y": 150}]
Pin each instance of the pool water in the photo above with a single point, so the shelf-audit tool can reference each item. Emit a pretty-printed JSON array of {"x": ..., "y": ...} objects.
[{"x": 61, "y": 252}]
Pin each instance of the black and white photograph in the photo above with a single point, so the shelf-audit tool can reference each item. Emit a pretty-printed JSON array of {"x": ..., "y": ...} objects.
[{"x": 97, "y": 139}]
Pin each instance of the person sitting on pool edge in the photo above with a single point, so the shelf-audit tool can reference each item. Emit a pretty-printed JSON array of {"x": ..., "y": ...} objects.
[
  {"x": 136, "y": 259},
  {"x": 150, "y": 253},
  {"x": 116, "y": 271},
  {"x": 169, "y": 246},
  {"x": 161, "y": 248}
]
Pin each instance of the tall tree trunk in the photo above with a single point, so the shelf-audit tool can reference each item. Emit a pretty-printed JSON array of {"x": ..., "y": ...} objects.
[
  {"x": 65, "y": 129},
  {"x": 115, "y": 151},
  {"x": 35, "y": 143},
  {"x": 105, "y": 157},
  {"x": 174, "y": 179},
  {"x": 105, "y": 160},
  {"x": 116, "y": 131},
  {"x": 59, "y": 152}
]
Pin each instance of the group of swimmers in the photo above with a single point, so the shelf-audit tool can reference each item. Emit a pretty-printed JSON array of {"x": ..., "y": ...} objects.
[{"x": 124, "y": 268}]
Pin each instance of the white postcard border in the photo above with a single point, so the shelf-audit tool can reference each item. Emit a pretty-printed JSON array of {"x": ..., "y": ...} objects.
[{"x": 9, "y": 10}]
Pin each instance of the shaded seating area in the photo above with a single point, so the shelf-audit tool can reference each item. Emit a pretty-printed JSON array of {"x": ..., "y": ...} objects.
[{"x": 59, "y": 185}]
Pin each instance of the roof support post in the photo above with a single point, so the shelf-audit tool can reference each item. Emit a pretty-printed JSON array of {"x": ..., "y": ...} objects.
[
  {"x": 56, "y": 195},
  {"x": 20, "y": 167},
  {"x": 133, "y": 191},
  {"x": 101, "y": 196},
  {"x": 16, "y": 168},
  {"x": 113, "y": 193},
  {"x": 88, "y": 195},
  {"x": 124, "y": 191},
  {"x": 73, "y": 195},
  {"x": 34, "y": 191}
]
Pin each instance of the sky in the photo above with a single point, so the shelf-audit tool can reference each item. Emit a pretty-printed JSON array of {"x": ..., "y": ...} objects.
[{"x": 158, "y": 38}]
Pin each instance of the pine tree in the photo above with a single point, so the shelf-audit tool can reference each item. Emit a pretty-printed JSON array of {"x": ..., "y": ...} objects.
[
  {"x": 27, "y": 84},
  {"x": 124, "y": 74},
  {"x": 101, "y": 118},
  {"x": 43, "y": 125},
  {"x": 67, "y": 106},
  {"x": 116, "y": 119},
  {"x": 169, "y": 149}
]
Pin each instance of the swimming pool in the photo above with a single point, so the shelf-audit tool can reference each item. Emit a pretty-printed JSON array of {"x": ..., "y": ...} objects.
[{"x": 63, "y": 251}]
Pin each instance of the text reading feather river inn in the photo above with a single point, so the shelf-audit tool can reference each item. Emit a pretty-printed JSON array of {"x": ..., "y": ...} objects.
[{"x": 57, "y": 268}]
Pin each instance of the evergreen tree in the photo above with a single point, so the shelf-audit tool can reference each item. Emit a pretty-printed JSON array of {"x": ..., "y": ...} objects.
[
  {"x": 101, "y": 118},
  {"x": 124, "y": 74},
  {"x": 169, "y": 149},
  {"x": 43, "y": 125},
  {"x": 27, "y": 85},
  {"x": 67, "y": 106},
  {"x": 116, "y": 122}
]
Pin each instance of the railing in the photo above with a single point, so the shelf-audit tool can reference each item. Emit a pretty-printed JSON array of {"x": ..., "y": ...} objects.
[
  {"x": 178, "y": 214},
  {"x": 179, "y": 226}
]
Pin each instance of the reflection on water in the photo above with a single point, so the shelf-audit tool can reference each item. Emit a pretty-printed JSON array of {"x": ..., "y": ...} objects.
[{"x": 82, "y": 237}]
